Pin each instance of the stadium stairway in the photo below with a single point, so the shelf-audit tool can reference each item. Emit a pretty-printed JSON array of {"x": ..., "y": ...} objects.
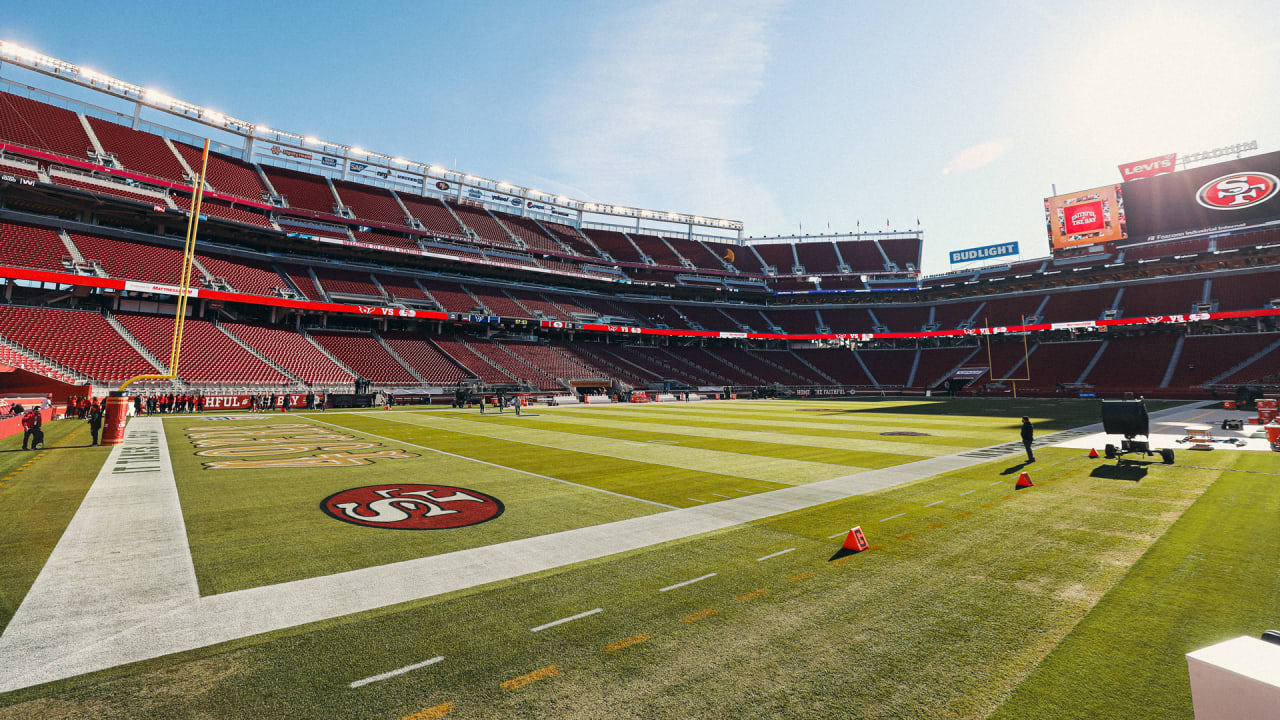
[
  {"x": 328, "y": 354},
  {"x": 160, "y": 366},
  {"x": 630, "y": 372},
  {"x": 771, "y": 357},
  {"x": 814, "y": 368},
  {"x": 254, "y": 351},
  {"x": 396, "y": 356},
  {"x": 1245, "y": 364},
  {"x": 707, "y": 377}
]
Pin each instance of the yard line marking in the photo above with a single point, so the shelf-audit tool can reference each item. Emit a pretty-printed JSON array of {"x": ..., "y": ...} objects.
[
  {"x": 687, "y": 582},
  {"x": 842, "y": 532},
  {"x": 696, "y": 500},
  {"x": 433, "y": 712},
  {"x": 802, "y": 576},
  {"x": 936, "y": 502},
  {"x": 744, "y": 492},
  {"x": 752, "y": 595},
  {"x": 691, "y": 619},
  {"x": 483, "y": 462},
  {"x": 892, "y": 517},
  {"x": 626, "y": 642},
  {"x": 536, "y": 675},
  {"x": 397, "y": 671},
  {"x": 967, "y": 492},
  {"x": 774, "y": 555},
  {"x": 994, "y": 483},
  {"x": 726, "y": 497},
  {"x": 562, "y": 621}
]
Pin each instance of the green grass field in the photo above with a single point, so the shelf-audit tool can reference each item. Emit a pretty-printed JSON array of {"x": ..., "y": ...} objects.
[{"x": 1075, "y": 598}]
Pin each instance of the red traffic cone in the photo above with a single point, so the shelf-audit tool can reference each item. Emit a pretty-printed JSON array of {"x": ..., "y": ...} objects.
[
  {"x": 1093, "y": 454},
  {"x": 855, "y": 540},
  {"x": 1024, "y": 481}
]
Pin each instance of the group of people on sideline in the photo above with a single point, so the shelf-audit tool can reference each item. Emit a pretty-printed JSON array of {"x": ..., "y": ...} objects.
[{"x": 167, "y": 403}]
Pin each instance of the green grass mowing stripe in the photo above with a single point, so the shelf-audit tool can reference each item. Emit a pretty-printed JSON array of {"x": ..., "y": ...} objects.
[
  {"x": 869, "y": 430},
  {"x": 744, "y": 446},
  {"x": 1210, "y": 577},
  {"x": 647, "y": 481},
  {"x": 39, "y": 502},
  {"x": 545, "y": 432},
  {"x": 778, "y": 434}
]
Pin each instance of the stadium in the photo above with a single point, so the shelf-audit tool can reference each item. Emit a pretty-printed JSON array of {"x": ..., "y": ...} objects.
[{"x": 666, "y": 468}]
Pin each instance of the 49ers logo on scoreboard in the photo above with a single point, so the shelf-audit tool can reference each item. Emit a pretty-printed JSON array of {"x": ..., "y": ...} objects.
[
  {"x": 412, "y": 507},
  {"x": 1237, "y": 191}
]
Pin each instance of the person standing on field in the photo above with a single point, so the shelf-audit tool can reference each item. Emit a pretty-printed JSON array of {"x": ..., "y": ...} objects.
[
  {"x": 1028, "y": 434},
  {"x": 95, "y": 421}
]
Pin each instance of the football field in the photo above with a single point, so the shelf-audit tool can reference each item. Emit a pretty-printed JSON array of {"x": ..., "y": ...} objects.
[{"x": 647, "y": 561}]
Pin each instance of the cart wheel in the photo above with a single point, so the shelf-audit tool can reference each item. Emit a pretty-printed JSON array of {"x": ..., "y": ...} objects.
[
  {"x": 1109, "y": 451},
  {"x": 1167, "y": 456}
]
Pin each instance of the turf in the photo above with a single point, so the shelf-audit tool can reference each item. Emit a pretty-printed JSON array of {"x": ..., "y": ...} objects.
[
  {"x": 1210, "y": 578},
  {"x": 39, "y": 493},
  {"x": 976, "y": 599}
]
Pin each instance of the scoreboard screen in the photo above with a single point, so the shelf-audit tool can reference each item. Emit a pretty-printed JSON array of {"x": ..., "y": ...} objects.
[{"x": 1085, "y": 218}]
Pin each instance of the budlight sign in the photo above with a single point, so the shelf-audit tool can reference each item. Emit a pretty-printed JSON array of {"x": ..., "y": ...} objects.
[{"x": 983, "y": 253}]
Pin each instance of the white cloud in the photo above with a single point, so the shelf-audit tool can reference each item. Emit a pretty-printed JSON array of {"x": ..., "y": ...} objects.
[
  {"x": 977, "y": 156},
  {"x": 652, "y": 117}
]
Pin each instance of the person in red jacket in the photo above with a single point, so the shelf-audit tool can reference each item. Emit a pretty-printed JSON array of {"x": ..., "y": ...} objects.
[{"x": 31, "y": 431}]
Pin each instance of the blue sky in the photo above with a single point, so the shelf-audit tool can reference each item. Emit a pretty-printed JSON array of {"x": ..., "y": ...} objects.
[{"x": 779, "y": 114}]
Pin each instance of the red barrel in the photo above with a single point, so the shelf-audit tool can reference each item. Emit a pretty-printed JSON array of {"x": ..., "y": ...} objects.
[
  {"x": 115, "y": 417},
  {"x": 1273, "y": 435},
  {"x": 1229, "y": 404}
]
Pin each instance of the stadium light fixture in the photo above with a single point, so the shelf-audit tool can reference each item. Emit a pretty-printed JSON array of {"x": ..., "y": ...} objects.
[
  {"x": 400, "y": 161},
  {"x": 215, "y": 117},
  {"x": 157, "y": 98},
  {"x": 310, "y": 140},
  {"x": 357, "y": 151}
]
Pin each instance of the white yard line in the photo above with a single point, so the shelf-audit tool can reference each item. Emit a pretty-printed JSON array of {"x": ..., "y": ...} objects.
[
  {"x": 892, "y": 517},
  {"x": 686, "y": 582},
  {"x": 774, "y": 555},
  {"x": 842, "y": 532},
  {"x": 564, "y": 620},
  {"x": 935, "y": 502},
  {"x": 398, "y": 671},
  {"x": 967, "y": 492}
]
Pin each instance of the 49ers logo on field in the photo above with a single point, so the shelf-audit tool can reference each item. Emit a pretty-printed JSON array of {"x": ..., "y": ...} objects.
[
  {"x": 412, "y": 507},
  {"x": 1238, "y": 190}
]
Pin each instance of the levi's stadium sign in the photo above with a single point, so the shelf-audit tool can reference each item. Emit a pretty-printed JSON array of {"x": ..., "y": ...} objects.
[
  {"x": 983, "y": 253},
  {"x": 1148, "y": 168}
]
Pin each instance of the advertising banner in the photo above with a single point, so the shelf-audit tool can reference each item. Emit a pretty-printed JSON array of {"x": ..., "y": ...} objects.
[
  {"x": 1086, "y": 217},
  {"x": 1139, "y": 169},
  {"x": 241, "y": 402},
  {"x": 983, "y": 253},
  {"x": 1221, "y": 197}
]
